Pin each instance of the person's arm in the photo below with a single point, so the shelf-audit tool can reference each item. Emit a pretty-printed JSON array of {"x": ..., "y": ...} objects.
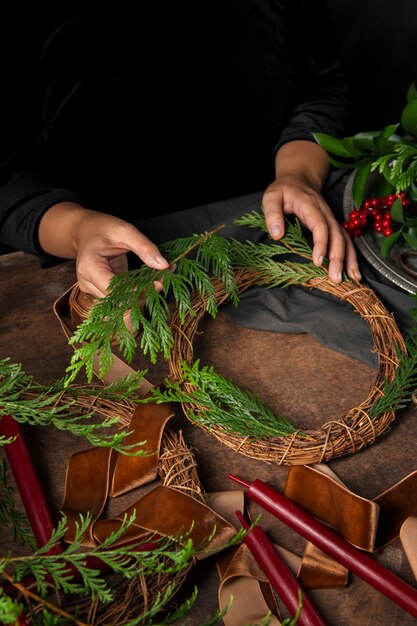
[
  {"x": 99, "y": 242},
  {"x": 301, "y": 167}
]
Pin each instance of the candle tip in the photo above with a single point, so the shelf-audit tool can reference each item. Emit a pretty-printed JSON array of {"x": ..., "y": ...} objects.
[
  {"x": 238, "y": 480},
  {"x": 242, "y": 520}
]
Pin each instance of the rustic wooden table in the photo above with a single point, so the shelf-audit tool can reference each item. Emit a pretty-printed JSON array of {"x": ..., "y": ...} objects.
[{"x": 293, "y": 374}]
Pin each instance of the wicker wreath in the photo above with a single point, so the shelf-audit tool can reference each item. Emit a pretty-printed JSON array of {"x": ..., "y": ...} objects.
[
  {"x": 177, "y": 468},
  {"x": 335, "y": 438}
]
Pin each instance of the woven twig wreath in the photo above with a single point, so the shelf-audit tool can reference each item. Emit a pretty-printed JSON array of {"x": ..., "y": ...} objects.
[
  {"x": 335, "y": 438},
  {"x": 177, "y": 468}
]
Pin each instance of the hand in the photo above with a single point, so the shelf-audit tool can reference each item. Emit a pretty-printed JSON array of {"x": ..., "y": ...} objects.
[
  {"x": 97, "y": 241},
  {"x": 296, "y": 192}
]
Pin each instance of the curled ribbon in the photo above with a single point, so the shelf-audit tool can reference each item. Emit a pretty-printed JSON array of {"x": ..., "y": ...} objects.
[{"x": 370, "y": 525}]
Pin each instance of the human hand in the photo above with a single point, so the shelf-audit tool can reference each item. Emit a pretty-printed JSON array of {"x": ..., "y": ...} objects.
[
  {"x": 99, "y": 243},
  {"x": 296, "y": 192}
]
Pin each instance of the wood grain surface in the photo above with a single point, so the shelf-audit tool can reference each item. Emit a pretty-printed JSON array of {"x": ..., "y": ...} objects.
[{"x": 293, "y": 374}]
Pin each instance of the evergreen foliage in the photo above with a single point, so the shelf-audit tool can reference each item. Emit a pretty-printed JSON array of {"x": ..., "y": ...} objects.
[
  {"x": 21, "y": 531},
  {"x": 211, "y": 255},
  {"x": 397, "y": 393},
  {"x": 54, "y": 572},
  {"x": 223, "y": 403},
  {"x": 42, "y": 405}
]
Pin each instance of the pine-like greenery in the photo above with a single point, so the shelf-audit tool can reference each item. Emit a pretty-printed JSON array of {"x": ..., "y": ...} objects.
[
  {"x": 221, "y": 402},
  {"x": 195, "y": 259},
  {"x": 17, "y": 521},
  {"x": 397, "y": 393},
  {"x": 55, "y": 404},
  {"x": 135, "y": 291},
  {"x": 55, "y": 572}
]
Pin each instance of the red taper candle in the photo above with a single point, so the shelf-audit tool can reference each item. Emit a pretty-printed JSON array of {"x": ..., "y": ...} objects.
[
  {"x": 27, "y": 483},
  {"x": 279, "y": 575},
  {"x": 332, "y": 543},
  {"x": 36, "y": 505}
]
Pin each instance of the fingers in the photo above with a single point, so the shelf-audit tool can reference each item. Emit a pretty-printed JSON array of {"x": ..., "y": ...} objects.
[
  {"x": 102, "y": 253},
  {"x": 272, "y": 204},
  {"x": 329, "y": 238}
]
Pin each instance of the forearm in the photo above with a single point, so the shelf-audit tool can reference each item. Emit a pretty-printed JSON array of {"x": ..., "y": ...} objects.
[
  {"x": 60, "y": 228},
  {"x": 302, "y": 160}
]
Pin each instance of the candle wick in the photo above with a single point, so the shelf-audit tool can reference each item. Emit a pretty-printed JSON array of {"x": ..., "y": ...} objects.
[
  {"x": 239, "y": 480},
  {"x": 242, "y": 520}
]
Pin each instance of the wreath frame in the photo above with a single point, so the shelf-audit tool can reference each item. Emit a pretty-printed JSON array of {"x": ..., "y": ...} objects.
[
  {"x": 334, "y": 438},
  {"x": 177, "y": 468}
]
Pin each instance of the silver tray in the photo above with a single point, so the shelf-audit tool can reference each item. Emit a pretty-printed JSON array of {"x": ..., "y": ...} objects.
[{"x": 367, "y": 244}]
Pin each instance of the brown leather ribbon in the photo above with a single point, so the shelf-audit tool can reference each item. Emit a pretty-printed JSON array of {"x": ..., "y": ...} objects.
[
  {"x": 103, "y": 473},
  {"x": 369, "y": 525}
]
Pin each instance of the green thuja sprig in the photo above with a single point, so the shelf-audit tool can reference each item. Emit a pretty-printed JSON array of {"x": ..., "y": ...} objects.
[
  {"x": 293, "y": 240},
  {"x": 135, "y": 291},
  {"x": 53, "y": 572},
  {"x": 397, "y": 393},
  {"x": 223, "y": 403},
  {"x": 10, "y": 517},
  {"x": 56, "y": 404},
  {"x": 399, "y": 165}
]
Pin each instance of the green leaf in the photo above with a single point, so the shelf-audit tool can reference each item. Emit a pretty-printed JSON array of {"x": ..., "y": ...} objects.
[
  {"x": 351, "y": 147},
  {"x": 360, "y": 183},
  {"x": 412, "y": 92},
  {"x": 381, "y": 141},
  {"x": 412, "y": 192},
  {"x": 411, "y": 238},
  {"x": 397, "y": 212},
  {"x": 365, "y": 140},
  {"x": 341, "y": 164},
  {"x": 409, "y": 118},
  {"x": 332, "y": 144},
  {"x": 381, "y": 187},
  {"x": 410, "y": 222},
  {"x": 388, "y": 243}
]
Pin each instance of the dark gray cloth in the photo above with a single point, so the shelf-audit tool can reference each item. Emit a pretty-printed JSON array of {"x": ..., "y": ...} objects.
[{"x": 292, "y": 309}]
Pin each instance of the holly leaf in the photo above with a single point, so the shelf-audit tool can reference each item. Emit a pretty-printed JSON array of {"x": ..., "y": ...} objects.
[
  {"x": 365, "y": 140},
  {"x": 409, "y": 118},
  {"x": 381, "y": 187},
  {"x": 411, "y": 239},
  {"x": 382, "y": 139},
  {"x": 412, "y": 92},
  {"x": 333, "y": 145},
  {"x": 397, "y": 212},
  {"x": 359, "y": 184},
  {"x": 388, "y": 243},
  {"x": 351, "y": 147}
]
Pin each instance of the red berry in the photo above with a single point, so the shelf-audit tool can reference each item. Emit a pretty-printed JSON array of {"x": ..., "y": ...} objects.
[
  {"x": 386, "y": 223},
  {"x": 353, "y": 215},
  {"x": 387, "y": 216},
  {"x": 378, "y": 227},
  {"x": 357, "y": 232},
  {"x": 375, "y": 202},
  {"x": 366, "y": 204},
  {"x": 378, "y": 217},
  {"x": 388, "y": 232},
  {"x": 362, "y": 214},
  {"x": 391, "y": 197}
]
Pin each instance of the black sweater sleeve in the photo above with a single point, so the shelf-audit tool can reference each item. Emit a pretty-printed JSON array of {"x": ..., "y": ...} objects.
[{"x": 322, "y": 102}]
